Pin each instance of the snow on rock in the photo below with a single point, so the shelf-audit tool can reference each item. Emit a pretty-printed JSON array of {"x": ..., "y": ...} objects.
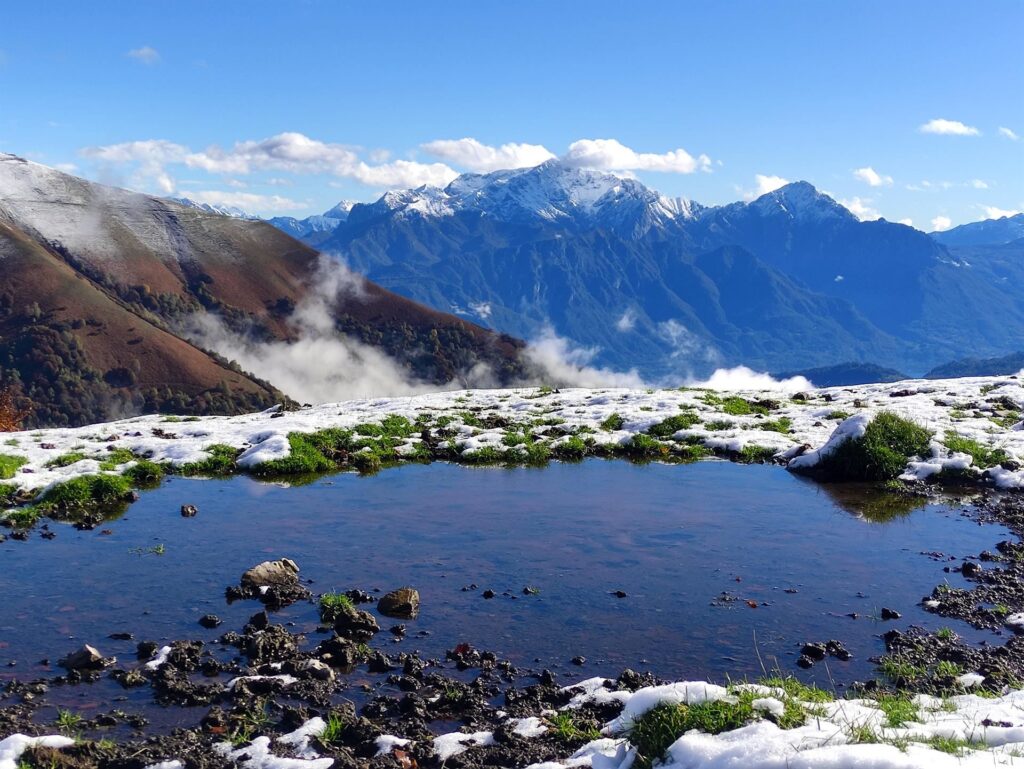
[
  {"x": 769, "y": 705},
  {"x": 284, "y": 678},
  {"x": 171, "y": 764},
  {"x": 648, "y": 698},
  {"x": 300, "y": 740},
  {"x": 161, "y": 657},
  {"x": 11, "y": 748},
  {"x": 850, "y": 429},
  {"x": 454, "y": 743},
  {"x": 387, "y": 742},
  {"x": 257, "y": 755},
  {"x": 528, "y": 727}
]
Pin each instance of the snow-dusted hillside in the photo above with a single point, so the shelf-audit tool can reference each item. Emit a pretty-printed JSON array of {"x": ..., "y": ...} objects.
[{"x": 793, "y": 431}]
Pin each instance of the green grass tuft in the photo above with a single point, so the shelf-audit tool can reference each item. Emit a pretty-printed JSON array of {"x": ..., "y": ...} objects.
[
  {"x": 67, "y": 459},
  {"x": 612, "y": 423},
  {"x": 335, "y": 605},
  {"x": 86, "y": 492},
  {"x": 220, "y": 462},
  {"x": 880, "y": 454},
  {"x": 983, "y": 456},
  {"x": 9, "y": 465},
  {"x": 673, "y": 424}
]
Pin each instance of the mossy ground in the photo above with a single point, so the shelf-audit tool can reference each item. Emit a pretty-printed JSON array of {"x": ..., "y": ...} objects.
[{"x": 881, "y": 454}]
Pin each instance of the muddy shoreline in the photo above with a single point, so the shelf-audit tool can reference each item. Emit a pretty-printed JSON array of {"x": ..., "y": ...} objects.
[{"x": 259, "y": 680}]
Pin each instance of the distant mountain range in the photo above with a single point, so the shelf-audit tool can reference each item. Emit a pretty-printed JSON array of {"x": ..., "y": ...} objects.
[
  {"x": 990, "y": 232},
  {"x": 791, "y": 280},
  {"x": 98, "y": 284}
]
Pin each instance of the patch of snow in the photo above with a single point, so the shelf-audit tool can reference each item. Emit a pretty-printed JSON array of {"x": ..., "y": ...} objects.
[
  {"x": 12, "y": 747},
  {"x": 386, "y": 743},
  {"x": 299, "y": 740},
  {"x": 161, "y": 657},
  {"x": 448, "y": 745},
  {"x": 284, "y": 678}
]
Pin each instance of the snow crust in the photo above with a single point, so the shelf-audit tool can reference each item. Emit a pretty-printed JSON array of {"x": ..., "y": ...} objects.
[
  {"x": 817, "y": 425},
  {"x": 824, "y": 741}
]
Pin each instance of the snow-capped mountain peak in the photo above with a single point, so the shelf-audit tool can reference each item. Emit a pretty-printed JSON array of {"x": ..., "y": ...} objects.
[
  {"x": 800, "y": 200},
  {"x": 214, "y": 208}
]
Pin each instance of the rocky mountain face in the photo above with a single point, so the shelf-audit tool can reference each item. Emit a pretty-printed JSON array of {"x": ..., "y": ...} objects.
[
  {"x": 790, "y": 280},
  {"x": 99, "y": 285}
]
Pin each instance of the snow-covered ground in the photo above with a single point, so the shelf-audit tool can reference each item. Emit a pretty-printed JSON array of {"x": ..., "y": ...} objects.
[
  {"x": 960, "y": 732},
  {"x": 985, "y": 409}
]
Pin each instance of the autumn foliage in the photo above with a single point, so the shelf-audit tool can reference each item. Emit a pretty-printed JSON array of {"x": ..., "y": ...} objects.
[{"x": 10, "y": 415}]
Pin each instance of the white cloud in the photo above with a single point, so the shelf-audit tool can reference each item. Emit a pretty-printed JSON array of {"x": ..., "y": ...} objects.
[
  {"x": 992, "y": 212},
  {"x": 872, "y": 177},
  {"x": 297, "y": 153},
  {"x": 948, "y": 128},
  {"x": 627, "y": 322},
  {"x": 151, "y": 157},
  {"x": 68, "y": 168},
  {"x": 861, "y": 208},
  {"x": 482, "y": 309},
  {"x": 908, "y": 222},
  {"x": 567, "y": 365},
  {"x": 248, "y": 201},
  {"x": 475, "y": 156},
  {"x": 743, "y": 378},
  {"x": 978, "y": 184},
  {"x": 766, "y": 184},
  {"x": 145, "y": 54},
  {"x": 1008, "y": 133},
  {"x": 612, "y": 155},
  {"x": 940, "y": 223}
]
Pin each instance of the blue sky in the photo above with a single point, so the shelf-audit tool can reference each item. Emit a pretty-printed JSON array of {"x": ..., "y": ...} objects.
[{"x": 289, "y": 107}]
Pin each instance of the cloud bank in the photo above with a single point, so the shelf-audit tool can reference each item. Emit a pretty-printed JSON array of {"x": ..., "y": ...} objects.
[
  {"x": 612, "y": 155},
  {"x": 474, "y": 156}
]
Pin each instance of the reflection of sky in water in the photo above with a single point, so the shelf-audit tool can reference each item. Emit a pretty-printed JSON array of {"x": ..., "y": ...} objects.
[{"x": 672, "y": 537}]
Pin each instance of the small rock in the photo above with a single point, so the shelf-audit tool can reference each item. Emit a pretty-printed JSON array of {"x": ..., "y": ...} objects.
[
  {"x": 403, "y": 603},
  {"x": 579, "y": 660},
  {"x": 971, "y": 569},
  {"x": 805, "y": 662},
  {"x": 528, "y": 590},
  {"x": 620, "y": 593},
  {"x": 281, "y": 572},
  {"x": 397, "y": 630},
  {"x": 814, "y": 651},
  {"x": 888, "y": 613},
  {"x": 488, "y": 594},
  {"x": 210, "y": 621},
  {"x": 189, "y": 511},
  {"x": 86, "y": 658}
]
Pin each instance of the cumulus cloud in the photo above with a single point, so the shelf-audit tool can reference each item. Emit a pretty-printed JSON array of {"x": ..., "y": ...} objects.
[
  {"x": 743, "y": 378},
  {"x": 861, "y": 208},
  {"x": 145, "y": 54},
  {"x": 150, "y": 156},
  {"x": 1007, "y": 133},
  {"x": 908, "y": 222},
  {"x": 992, "y": 212},
  {"x": 948, "y": 128},
  {"x": 249, "y": 202},
  {"x": 940, "y": 223},
  {"x": 612, "y": 155},
  {"x": 978, "y": 184},
  {"x": 870, "y": 176},
  {"x": 767, "y": 183},
  {"x": 473, "y": 155},
  {"x": 566, "y": 365}
]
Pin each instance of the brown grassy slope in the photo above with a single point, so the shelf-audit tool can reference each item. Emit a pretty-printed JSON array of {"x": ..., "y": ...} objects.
[{"x": 111, "y": 335}]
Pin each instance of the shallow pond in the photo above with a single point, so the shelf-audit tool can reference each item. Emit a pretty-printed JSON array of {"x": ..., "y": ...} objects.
[{"x": 673, "y": 538}]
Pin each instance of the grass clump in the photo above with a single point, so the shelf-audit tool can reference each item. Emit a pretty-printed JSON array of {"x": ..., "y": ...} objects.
[
  {"x": 753, "y": 454},
  {"x": 335, "y": 605},
  {"x": 85, "y": 493},
  {"x": 878, "y": 455},
  {"x": 569, "y": 727},
  {"x": 717, "y": 425},
  {"x": 797, "y": 689},
  {"x": 144, "y": 474},
  {"x": 9, "y": 464},
  {"x": 983, "y": 456},
  {"x": 658, "y": 728},
  {"x": 780, "y": 425},
  {"x": 334, "y": 729},
  {"x": 838, "y": 415},
  {"x": 673, "y": 424},
  {"x": 612, "y": 423},
  {"x": 220, "y": 462},
  {"x": 899, "y": 709},
  {"x": 114, "y": 459},
  {"x": 572, "y": 449},
  {"x": 67, "y": 459},
  {"x": 951, "y": 745},
  {"x": 643, "y": 446}
]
